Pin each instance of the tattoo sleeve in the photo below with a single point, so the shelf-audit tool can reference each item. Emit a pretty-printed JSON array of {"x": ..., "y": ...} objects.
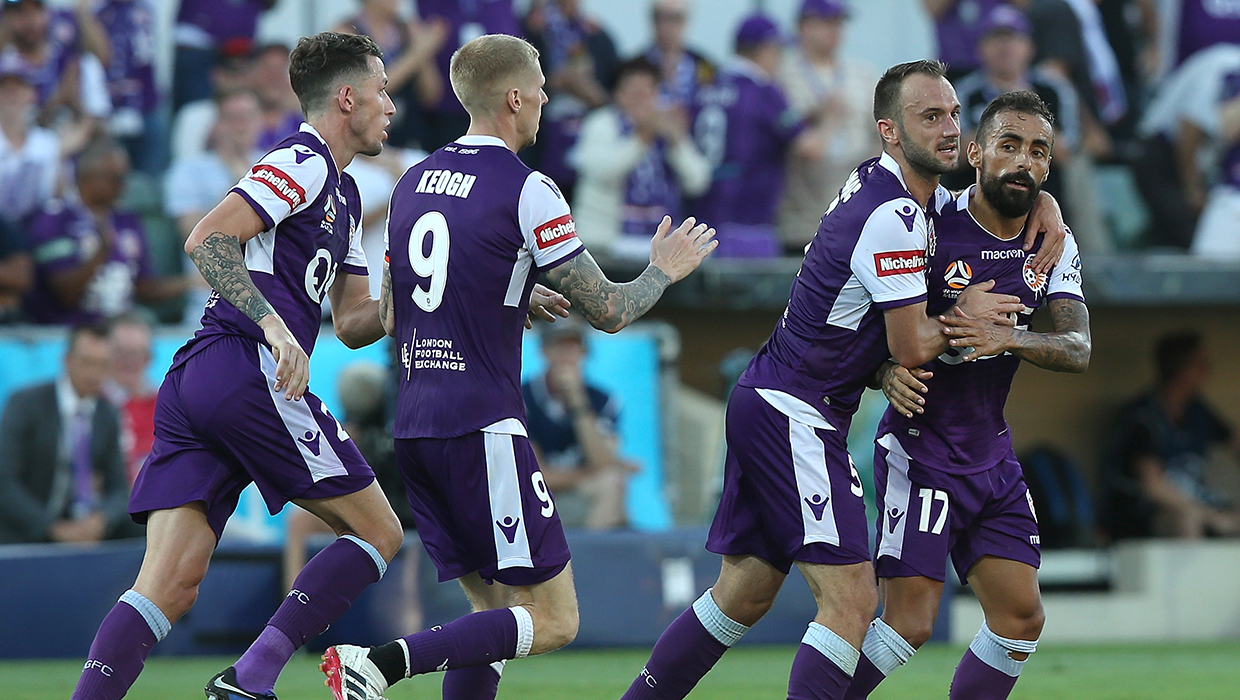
[
  {"x": 386, "y": 314},
  {"x": 1067, "y": 348},
  {"x": 608, "y": 306},
  {"x": 222, "y": 264}
]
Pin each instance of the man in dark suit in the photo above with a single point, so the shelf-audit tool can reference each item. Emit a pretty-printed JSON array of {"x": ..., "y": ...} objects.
[{"x": 62, "y": 476}]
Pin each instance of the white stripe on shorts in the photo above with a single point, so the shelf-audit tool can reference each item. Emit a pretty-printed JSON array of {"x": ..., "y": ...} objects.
[
  {"x": 809, "y": 463},
  {"x": 504, "y": 489},
  {"x": 894, "y": 508},
  {"x": 317, "y": 452}
]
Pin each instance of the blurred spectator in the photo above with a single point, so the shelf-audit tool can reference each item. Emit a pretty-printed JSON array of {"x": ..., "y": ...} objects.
[
  {"x": 465, "y": 19},
  {"x": 837, "y": 93},
  {"x": 1188, "y": 26},
  {"x": 194, "y": 122},
  {"x": 48, "y": 46},
  {"x": 958, "y": 27},
  {"x": 635, "y": 161},
  {"x": 1132, "y": 31},
  {"x": 16, "y": 272},
  {"x": 62, "y": 476},
  {"x": 579, "y": 61},
  {"x": 746, "y": 129},
  {"x": 130, "y": 65},
  {"x": 682, "y": 70},
  {"x": 269, "y": 80},
  {"x": 194, "y": 184},
  {"x": 129, "y": 389},
  {"x": 1155, "y": 480},
  {"x": 409, "y": 50},
  {"x": 1190, "y": 131},
  {"x": 90, "y": 258},
  {"x": 205, "y": 30},
  {"x": 1006, "y": 50},
  {"x": 572, "y": 428},
  {"x": 30, "y": 155}
]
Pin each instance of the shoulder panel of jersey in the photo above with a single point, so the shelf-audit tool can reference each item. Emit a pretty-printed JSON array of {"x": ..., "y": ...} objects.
[
  {"x": 286, "y": 180},
  {"x": 546, "y": 222},
  {"x": 890, "y": 255},
  {"x": 1065, "y": 281}
]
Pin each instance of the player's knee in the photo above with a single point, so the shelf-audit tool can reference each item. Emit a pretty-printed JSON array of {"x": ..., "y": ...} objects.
[
  {"x": 1032, "y": 622},
  {"x": 389, "y": 540},
  {"x": 915, "y": 632},
  {"x": 555, "y": 630},
  {"x": 749, "y": 609}
]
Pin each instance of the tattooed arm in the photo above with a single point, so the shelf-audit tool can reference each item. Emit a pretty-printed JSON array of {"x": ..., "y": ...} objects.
[
  {"x": 1066, "y": 349},
  {"x": 609, "y": 306},
  {"x": 387, "y": 313},
  {"x": 215, "y": 247}
]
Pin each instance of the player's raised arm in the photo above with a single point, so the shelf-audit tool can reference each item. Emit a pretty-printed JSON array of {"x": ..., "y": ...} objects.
[{"x": 610, "y": 306}]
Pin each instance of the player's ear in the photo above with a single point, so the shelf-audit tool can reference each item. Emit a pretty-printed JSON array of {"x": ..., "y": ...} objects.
[
  {"x": 345, "y": 98},
  {"x": 887, "y": 131},
  {"x": 974, "y": 154},
  {"x": 513, "y": 97}
]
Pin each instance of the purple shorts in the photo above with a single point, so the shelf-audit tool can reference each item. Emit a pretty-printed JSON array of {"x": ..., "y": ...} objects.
[
  {"x": 480, "y": 504},
  {"x": 219, "y": 426},
  {"x": 927, "y": 513},
  {"x": 790, "y": 490}
]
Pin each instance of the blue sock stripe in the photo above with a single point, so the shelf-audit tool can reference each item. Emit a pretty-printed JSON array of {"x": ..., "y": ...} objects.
[
  {"x": 832, "y": 646},
  {"x": 993, "y": 651},
  {"x": 380, "y": 562},
  {"x": 155, "y": 618},
  {"x": 723, "y": 628}
]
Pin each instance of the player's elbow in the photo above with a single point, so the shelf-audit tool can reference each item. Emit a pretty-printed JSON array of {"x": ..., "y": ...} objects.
[
  {"x": 1079, "y": 359},
  {"x": 911, "y": 355}
]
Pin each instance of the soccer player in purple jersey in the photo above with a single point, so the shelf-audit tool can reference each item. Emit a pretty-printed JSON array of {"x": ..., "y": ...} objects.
[
  {"x": 948, "y": 480},
  {"x": 234, "y": 408},
  {"x": 791, "y": 493},
  {"x": 469, "y": 229}
]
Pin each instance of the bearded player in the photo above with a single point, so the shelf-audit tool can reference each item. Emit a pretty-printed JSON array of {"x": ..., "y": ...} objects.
[
  {"x": 469, "y": 230},
  {"x": 947, "y": 477}
]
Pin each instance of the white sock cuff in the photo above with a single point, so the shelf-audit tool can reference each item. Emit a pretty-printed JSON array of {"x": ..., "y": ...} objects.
[
  {"x": 380, "y": 562},
  {"x": 404, "y": 646},
  {"x": 994, "y": 651},
  {"x": 723, "y": 628},
  {"x": 885, "y": 648},
  {"x": 155, "y": 618},
  {"x": 525, "y": 630},
  {"x": 832, "y": 646},
  {"x": 498, "y": 667}
]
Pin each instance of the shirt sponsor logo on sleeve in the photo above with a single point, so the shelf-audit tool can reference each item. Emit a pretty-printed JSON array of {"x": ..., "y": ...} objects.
[
  {"x": 899, "y": 262},
  {"x": 280, "y": 183},
  {"x": 555, "y": 231}
]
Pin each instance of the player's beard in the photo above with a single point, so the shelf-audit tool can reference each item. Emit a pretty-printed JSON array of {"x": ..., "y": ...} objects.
[
  {"x": 1010, "y": 203},
  {"x": 925, "y": 159}
]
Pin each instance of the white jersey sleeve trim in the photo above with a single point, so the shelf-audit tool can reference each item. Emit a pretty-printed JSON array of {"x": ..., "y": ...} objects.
[
  {"x": 890, "y": 256},
  {"x": 507, "y": 426},
  {"x": 355, "y": 259},
  {"x": 794, "y": 408},
  {"x": 1066, "y": 277},
  {"x": 284, "y": 182},
  {"x": 546, "y": 223}
]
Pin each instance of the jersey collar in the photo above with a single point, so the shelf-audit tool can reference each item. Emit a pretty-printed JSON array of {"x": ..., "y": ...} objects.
[
  {"x": 888, "y": 162},
  {"x": 962, "y": 204},
  {"x": 481, "y": 140},
  {"x": 311, "y": 130}
]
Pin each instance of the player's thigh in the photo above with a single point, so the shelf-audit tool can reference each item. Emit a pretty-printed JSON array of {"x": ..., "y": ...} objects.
[
  {"x": 365, "y": 514},
  {"x": 1006, "y": 527},
  {"x": 483, "y": 595},
  {"x": 179, "y": 543},
  {"x": 1010, "y": 598},
  {"x": 746, "y": 587},
  {"x": 920, "y": 512},
  {"x": 847, "y": 596},
  {"x": 911, "y": 606}
]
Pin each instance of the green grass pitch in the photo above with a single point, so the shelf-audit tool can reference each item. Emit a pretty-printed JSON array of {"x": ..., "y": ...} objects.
[{"x": 1137, "y": 672}]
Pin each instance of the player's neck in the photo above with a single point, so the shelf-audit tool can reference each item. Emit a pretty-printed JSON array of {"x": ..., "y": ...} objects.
[
  {"x": 335, "y": 134},
  {"x": 919, "y": 182},
  {"x": 991, "y": 220},
  {"x": 502, "y": 131}
]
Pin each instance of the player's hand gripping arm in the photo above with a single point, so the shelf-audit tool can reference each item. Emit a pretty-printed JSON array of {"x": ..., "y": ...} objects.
[
  {"x": 215, "y": 247},
  {"x": 914, "y": 339},
  {"x": 1066, "y": 349},
  {"x": 609, "y": 306},
  {"x": 355, "y": 314},
  {"x": 903, "y": 387},
  {"x": 1046, "y": 217}
]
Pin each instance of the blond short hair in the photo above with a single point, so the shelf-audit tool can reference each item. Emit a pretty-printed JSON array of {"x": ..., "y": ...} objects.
[{"x": 484, "y": 68}]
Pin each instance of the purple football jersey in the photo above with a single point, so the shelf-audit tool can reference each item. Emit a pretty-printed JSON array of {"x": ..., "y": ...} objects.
[
  {"x": 469, "y": 229},
  {"x": 869, "y": 255},
  {"x": 744, "y": 126},
  {"x": 1205, "y": 23},
  {"x": 312, "y": 214},
  {"x": 963, "y": 429},
  {"x": 130, "y": 25},
  {"x": 62, "y": 48},
  {"x": 959, "y": 29},
  {"x": 65, "y": 235}
]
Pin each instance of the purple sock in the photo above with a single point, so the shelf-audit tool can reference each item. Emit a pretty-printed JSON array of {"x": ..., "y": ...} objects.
[
  {"x": 977, "y": 680},
  {"x": 473, "y": 683},
  {"x": 124, "y": 640},
  {"x": 823, "y": 666},
  {"x": 322, "y": 592},
  {"x": 685, "y": 652},
  {"x": 865, "y": 679},
  {"x": 477, "y": 639}
]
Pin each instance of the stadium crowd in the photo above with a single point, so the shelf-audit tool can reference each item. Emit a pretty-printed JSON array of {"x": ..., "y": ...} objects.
[{"x": 104, "y": 172}]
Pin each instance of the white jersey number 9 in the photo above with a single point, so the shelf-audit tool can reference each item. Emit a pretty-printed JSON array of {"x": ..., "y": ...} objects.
[{"x": 434, "y": 265}]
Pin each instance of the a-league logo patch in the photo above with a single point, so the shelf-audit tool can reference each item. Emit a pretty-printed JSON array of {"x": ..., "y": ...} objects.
[
  {"x": 280, "y": 183},
  {"x": 555, "y": 231},
  {"x": 1036, "y": 281}
]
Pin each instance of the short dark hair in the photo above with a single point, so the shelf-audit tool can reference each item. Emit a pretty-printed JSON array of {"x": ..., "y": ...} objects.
[
  {"x": 322, "y": 61},
  {"x": 887, "y": 92},
  {"x": 1173, "y": 352},
  {"x": 100, "y": 330},
  {"x": 1023, "y": 101},
  {"x": 637, "y": 66}
]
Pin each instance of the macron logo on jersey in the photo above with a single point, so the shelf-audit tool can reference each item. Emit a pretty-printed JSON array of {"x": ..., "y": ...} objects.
[
  {"x": 446, "y": 182},
  {"x": 281, "y": 184},
  {"x": 899, "y": 262},
  {"x": 555, "y": 231}
]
